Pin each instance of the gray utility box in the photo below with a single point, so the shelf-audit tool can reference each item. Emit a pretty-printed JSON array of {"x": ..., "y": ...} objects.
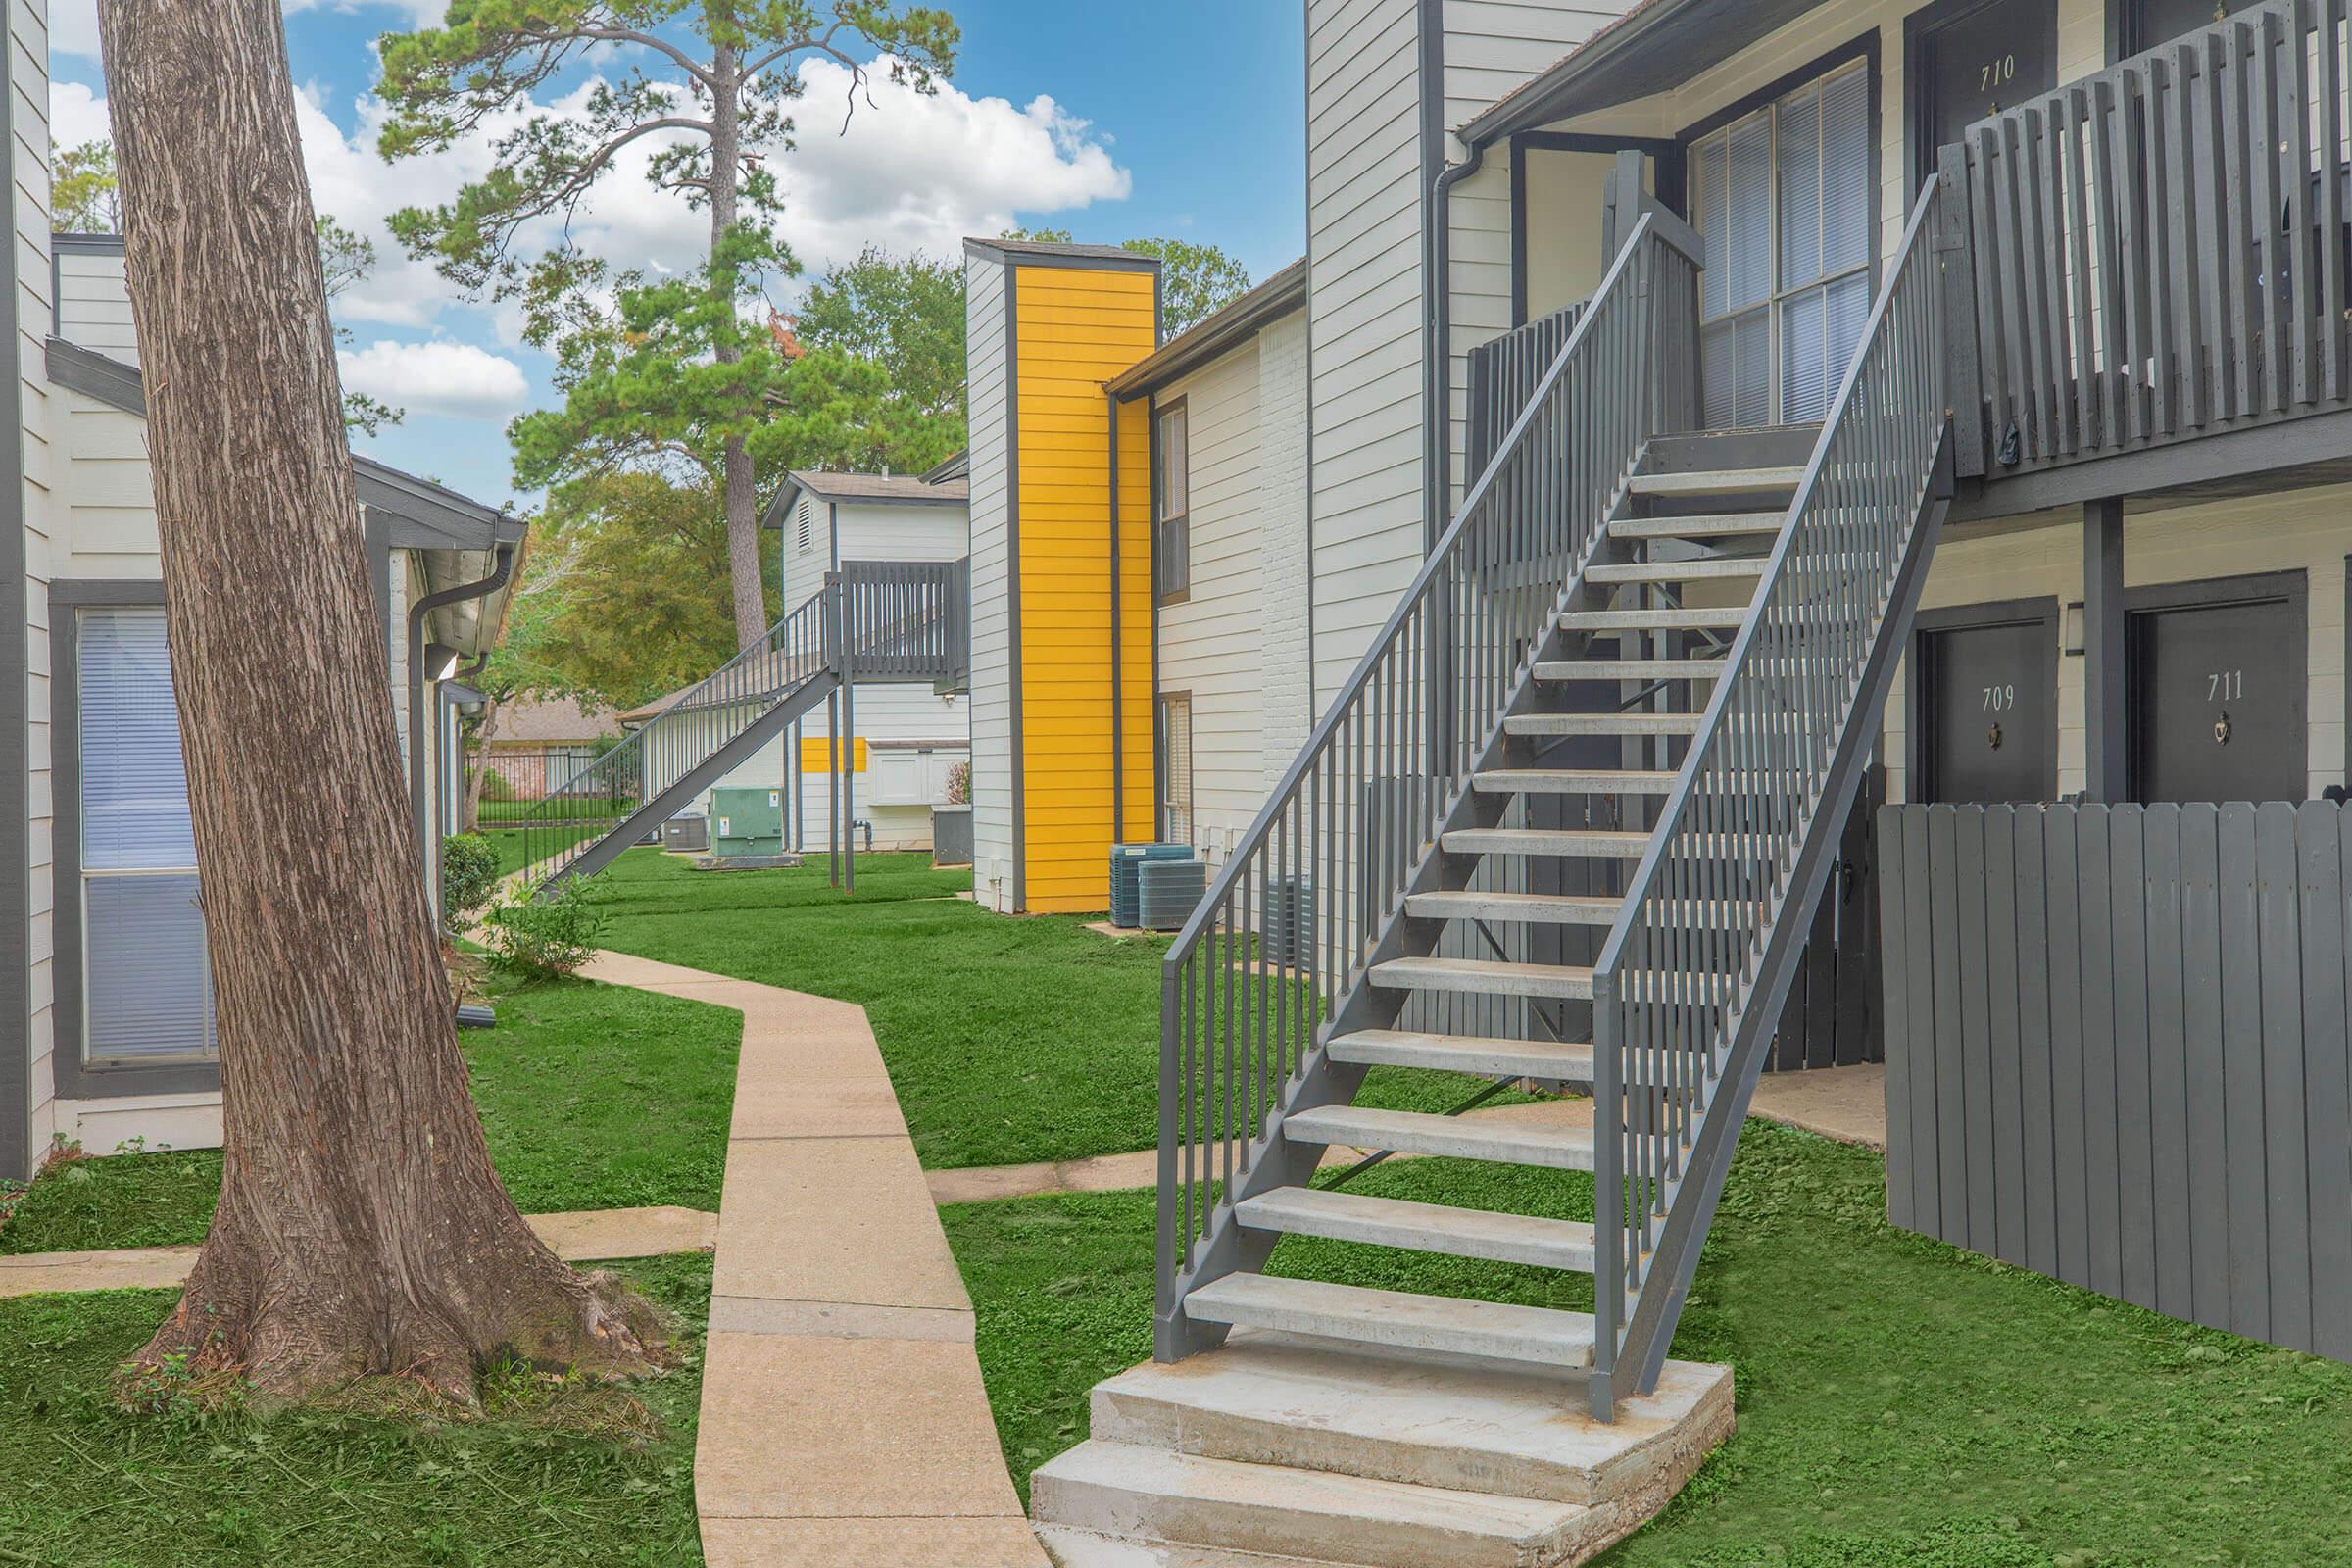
[
  {"x": 686, "y": 833},
  {"x": 951, "y": 835}
]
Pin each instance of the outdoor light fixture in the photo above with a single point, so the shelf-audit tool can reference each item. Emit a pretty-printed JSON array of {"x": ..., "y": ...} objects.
[
  {"x": 467, "y": 698},
  {"x": 2072, "y": 640}
]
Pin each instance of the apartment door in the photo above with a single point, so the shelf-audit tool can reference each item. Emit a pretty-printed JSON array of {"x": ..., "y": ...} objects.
[
  {"x": 1985, "y": 685},
  {"x": 2217, "y": 690},
  {"x": 1785, "y": 197},
  {"x": 1973, "y": 58}
]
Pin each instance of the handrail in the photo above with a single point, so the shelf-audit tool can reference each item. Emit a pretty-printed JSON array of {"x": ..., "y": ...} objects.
[
  {"x": 898, "y": 619},
  {"x": 1784, "y": 732},
  {"x": 1246, "y": 994}
]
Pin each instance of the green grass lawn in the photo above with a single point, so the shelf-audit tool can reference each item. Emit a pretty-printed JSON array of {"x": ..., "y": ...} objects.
[
  {"x": 1009, "y": 1040},
  {"x": 592, "y": 1097},
  {"x": 1900, "y": 1402},
  {"x": 87, "y": 1485}
]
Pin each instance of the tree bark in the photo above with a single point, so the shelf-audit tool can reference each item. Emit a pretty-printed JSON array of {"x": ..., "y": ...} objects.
[
  {"x": 735, "y": 463},
  {"x": 360, "y": 1228}
]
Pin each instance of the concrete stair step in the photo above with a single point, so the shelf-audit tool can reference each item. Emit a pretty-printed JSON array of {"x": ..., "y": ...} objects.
[
  {"x": 1147, "y": 1495},
  {"x": 1491, "y": 1331},
  {"x": 1089, "y": 1549},
  {"x": 1421, "y": 1227},
  {"x": 1630, "y": 722},
  {"x": 1719, "y": 481},
  {"x": 1485, "y": 977},
  {"x": 1700, "y": 618},
  {"x": 1571, "y": 781},
  {"x": 1412, "y": 1132},
  {"x": 1698, "y": 571},
  {"x": 1516, "y": 908},
  {"x": 1429, "y": 1420},
  {"x": 1486, "y": 1055},
  {"x": 1584, "y": 843},
  {"x": 1700, "y": 525},
  {"x": 1629, "y": 669}
]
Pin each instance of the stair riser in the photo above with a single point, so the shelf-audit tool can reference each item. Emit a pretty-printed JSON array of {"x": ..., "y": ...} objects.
[
  {"x": 1232, "y": 1525},
  {"x": 1492, "y": 1141},
  {"x": 1564, "y": 990},
  {"x": 1651, "y": 1452},
  {"x": 1087, "y": 1548},
  {"x": 1424, "y": 907},
  {"x": 1562, "y": 846},
  {"x": 1574, "y": 1068},
  {"x": 1671, "y": 726},
  {"x": 1572, "y": 1258},
  {"x": 1618, "y": 670}
]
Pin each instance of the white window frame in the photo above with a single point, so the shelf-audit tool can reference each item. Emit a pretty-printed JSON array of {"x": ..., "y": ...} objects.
[{"x": 1776, "y": 293}]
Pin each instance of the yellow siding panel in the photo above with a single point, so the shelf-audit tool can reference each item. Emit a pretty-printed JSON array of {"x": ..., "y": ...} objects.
[
  {"x": 1073, "y": 330},
  {"x": 816, "y": 754}
]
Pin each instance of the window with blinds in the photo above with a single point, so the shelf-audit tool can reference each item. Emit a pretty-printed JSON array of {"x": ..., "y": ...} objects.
[
  {"x": 146, "y": 985},
  {"x": 1176, "y": 768},
  {"x": 1783, "y": 199}
]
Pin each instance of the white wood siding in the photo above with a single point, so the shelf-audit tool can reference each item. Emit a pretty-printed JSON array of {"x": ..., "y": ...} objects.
[
  {"x": 987, "y": 386},
  {"x": 1364, "y": 314},
  {"x": 94, "y": 305},
  {"x": 29, "y": 169},
  {"x": 1288, "y": 700}
]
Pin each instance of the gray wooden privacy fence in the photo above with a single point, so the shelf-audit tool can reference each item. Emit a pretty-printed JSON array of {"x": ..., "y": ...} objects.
[{"x": 2117, "y": 1052}]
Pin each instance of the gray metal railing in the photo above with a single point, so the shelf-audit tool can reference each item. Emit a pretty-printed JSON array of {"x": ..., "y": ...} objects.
[
  {"x": 1503, "y": 373},
  {"x": 871, "y": 621},
  {"x": 1714, "y": 912},
  {"x": 1354, "y": 818},
  {"x": 2161, "y": 248}
]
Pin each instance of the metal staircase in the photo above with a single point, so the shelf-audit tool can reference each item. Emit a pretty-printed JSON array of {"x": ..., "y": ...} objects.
[
  {"x": 872, "y": 621},
  {"x": 1590, "y": 774}
]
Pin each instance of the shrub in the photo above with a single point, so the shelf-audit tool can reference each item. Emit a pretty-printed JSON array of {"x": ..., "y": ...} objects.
[
  {"x": 959, "y": 784},
  {"x": 496, "y": 786},
  {"x": 542, "y": 938},
  {"x": 469, "y": 875}
]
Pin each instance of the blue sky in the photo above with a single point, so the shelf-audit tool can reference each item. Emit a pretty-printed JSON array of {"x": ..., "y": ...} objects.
[{"x": 1111, "y": 118}]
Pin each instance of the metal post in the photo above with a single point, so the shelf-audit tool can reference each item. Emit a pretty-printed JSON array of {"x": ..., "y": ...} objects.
[
  {"x": 2107, "y": 769},
  {"x": 847, "y": 748}
]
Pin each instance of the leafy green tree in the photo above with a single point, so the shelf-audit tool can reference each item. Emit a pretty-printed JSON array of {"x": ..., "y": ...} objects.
[
  {"x": 637, "y": 613},
  {"x": 345, "y": 258},
  {"x": 84, "y": 196},
  {"x": 679, "y": 365},
  {"x": 527, "y": 662},
  {"x": 1195, "y": 280},
  {"x": 904, "y": 314}
]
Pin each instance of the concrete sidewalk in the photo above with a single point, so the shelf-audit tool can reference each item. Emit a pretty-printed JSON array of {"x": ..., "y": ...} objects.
[
  {"x": 585, "y": 1236},
  {"x": 843, "y": 1422}
]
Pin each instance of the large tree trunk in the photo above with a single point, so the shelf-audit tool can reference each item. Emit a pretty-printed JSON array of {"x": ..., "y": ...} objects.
[
  {"x": 360, "y": 1228},
  {"x": 735, "y": 463}
]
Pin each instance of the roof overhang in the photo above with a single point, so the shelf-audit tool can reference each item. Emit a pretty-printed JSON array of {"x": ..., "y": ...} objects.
[
  {"x": 1656, "y": 46},
  {"x": 1214, "y": 336},
  {"x": 456, "y": 537}
]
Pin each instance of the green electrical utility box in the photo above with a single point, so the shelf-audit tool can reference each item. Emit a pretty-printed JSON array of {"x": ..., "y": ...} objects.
[{"x": 747, "y": 822}]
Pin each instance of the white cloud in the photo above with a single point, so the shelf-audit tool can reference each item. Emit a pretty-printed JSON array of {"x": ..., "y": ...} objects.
[
  {"x": 909, "y": 173},
  {"x": 77, "y": 114},
  {"x": 457, "y": 379},
  {"x": 74, "y": 24}
]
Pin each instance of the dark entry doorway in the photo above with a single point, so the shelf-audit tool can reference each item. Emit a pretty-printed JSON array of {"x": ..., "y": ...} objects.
[
  {"x": 1985, "y": 691},
  {"x": 1968, "y": 59},
  {"x": 2217, "y": 690}
]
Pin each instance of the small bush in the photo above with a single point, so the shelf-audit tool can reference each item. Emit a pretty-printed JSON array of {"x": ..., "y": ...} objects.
[
  {"x": 496, "y": 786},
  {"x": 544, "y": 938},
  {"x": 469, "y": 875},
  {"x": 959, "y": 784}
]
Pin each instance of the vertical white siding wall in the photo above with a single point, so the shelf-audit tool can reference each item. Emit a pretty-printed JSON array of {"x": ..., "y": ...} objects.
[
  {"x": 1492, "y": 46},
  {"x": 1364, "y": 314},
  {"x": 987, "y": 386},
  {"x": 29, "y": 195}
]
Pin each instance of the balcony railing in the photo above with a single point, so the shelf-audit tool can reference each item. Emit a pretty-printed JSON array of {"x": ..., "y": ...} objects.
[{"x": 2160, "y": 252}]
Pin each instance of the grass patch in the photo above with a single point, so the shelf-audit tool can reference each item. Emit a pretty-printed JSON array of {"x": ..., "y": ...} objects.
[
  {"x": 592, "y": 1097},
  {"x": 1900, "y": 1402},
  {"x": 89, "y": 1486},
  {"x": 1009, "y": 1040}
]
